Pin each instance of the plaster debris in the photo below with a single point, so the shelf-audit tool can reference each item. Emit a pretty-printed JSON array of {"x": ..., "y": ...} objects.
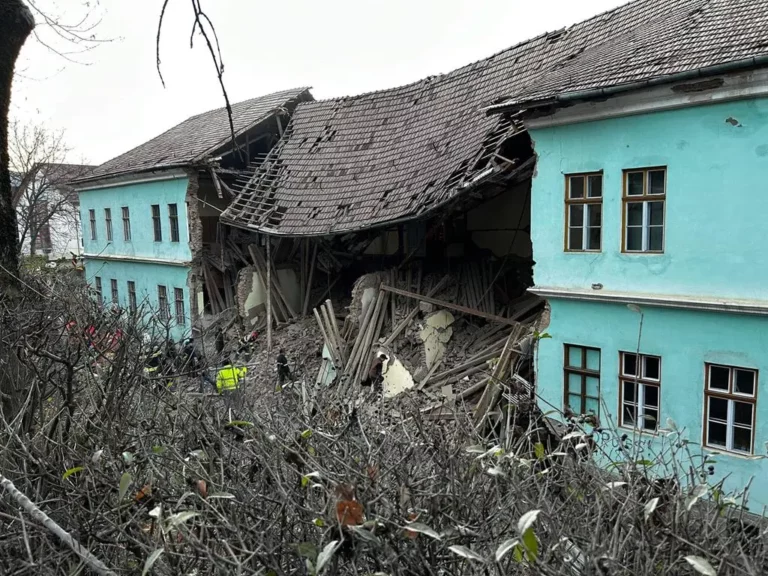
[{"x": 436, "y": 334}]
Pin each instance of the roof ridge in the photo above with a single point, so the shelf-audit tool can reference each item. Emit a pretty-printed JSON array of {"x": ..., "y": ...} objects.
[
  {"x": 298, "y": 89},
  {"x": 468, "y": 67}
]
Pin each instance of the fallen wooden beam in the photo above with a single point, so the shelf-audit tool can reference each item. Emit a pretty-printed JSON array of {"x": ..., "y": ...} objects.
[
  {"x": 412, "y": 314},
  {"x": 449, "y": 305}
]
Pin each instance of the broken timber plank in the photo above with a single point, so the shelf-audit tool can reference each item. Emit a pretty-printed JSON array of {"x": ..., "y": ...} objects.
[
  {"x": 312, "y": 263},
  {"x": 493, "y": 389},
  {"x": 412, "y": 314},
  {"x": 449, "y": 305}
]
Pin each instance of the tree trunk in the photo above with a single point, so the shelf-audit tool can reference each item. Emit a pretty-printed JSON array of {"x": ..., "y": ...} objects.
[{"x": 16, "y": 23}]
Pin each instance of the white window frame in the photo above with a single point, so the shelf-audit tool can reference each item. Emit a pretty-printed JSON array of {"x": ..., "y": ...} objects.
[
  {"x": 92, "y": 221},
  {"x": 587, "y": 203},
  {"x": 641, "y": 381},
  {"x": 731, "y": 396}
]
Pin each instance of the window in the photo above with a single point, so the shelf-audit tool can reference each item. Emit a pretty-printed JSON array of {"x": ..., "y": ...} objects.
[
  {"x": 156, "y": 223},
  {"x": 639, "y": 390},
  {"x": 583, "y": 212},
  {"x": 97, "y": 281},
  {"x": 729, "y": 412},
  {"x": 582, "y": 379},
  {"x": 178, "y": 294},
  {"x": 162, "y": 302},
  {"x": 108, "y": 222},
  {"x": 173, "y": 217},
  {"x": 132, "y": 296},
  {"x": 126, "y": 224},
  {"x": 92, "y": 218},
  {"x": 115, "y": 294},
  {"x": 644, "y": 196}
]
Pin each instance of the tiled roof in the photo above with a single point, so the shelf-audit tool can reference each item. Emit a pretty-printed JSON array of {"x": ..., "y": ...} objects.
[
  {"x": 674, "y": 36},
  {"x": 195, "y": 137},
  {"x": 356, "y": 162}
]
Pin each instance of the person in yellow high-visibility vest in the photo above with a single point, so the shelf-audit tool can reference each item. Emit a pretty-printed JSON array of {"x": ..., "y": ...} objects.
[{"x": 228, "y": 380}]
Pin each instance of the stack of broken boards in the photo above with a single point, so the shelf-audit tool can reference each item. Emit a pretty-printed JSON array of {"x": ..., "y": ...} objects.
[{"x": 474, "y": 363}]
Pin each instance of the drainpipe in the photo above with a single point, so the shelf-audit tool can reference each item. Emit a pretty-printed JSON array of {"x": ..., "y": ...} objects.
[{"x": 569, "y": 97}]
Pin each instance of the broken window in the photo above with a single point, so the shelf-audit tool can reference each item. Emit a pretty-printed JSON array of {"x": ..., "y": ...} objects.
[
  {"x": 97, "y": 285},
  {"x": 173, "y": 217},
  {"x": 92, "y": 218},
  {"x": 644, "y": 197},
  {"x": 639, "y": 390},
  {"x": 584, "y": 212},
  {"x": 729, "y": 411},
  {"x": 178, "y": 294},
  {"x": 108, "y": 222},
  {"x": 126, "y": 224},
  {"x": 132, "y": 296},
  {"x": 156, "y": 225},
  {"x": 162, "y": 303},
  {"x": 115, "y": 293},
  {"x": 582, "y": 379}
]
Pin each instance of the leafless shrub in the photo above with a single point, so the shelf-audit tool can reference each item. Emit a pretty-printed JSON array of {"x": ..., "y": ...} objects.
[{"x": 161, "y": 481}]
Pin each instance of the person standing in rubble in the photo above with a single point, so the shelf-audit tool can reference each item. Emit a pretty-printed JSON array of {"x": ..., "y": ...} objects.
[
  {"x": 228, "y": 382},
  {"x": 375, "y": 374},
  {"x": 283, "y": 369}
]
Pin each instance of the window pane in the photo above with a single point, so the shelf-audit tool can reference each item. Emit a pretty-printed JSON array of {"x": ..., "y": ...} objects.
[
  {"x": 574, "y": 383},
  {"x": 742, "y": 439},
  {"x": 716, "y": 434},
  {"x": 593, "y": 386},
  {"x": 595, "y": 186},
  {"x": 629, "y": 392},
  {"x": 650, "y": 419},
  {"x": 574, "y": 403},
  {"x": 651, "y": 396},
  {"x": 593, "y": 359},
  {"x": 744, "y": 382},
  {"x": 630, "y": 364},
  {"x": 656, "y": 238},
  {"x": 574, "y": 356},
  {"x": 576, "y": 239},
  {"x": 718, "y": 409},
  {"x": 651, "y": 367},
  {"x": 628, "y": 415},
  {"x": 656, "y": 213},
  {"x": 742, "y": 413},
  {"x": 656, "y": 181},
  {"x": 635, "y": 239},
  {"x": 718, "y": 378},
  {"x": 595, "y": 213},
  {"x": 592, "y": 406},
  {"x": 634, "y": 184},
  {"x": 593, "y": 238},
  {"x": 577, "y": 187},
  {"x": 635, "y": 213},
  {"x": 577, "y": 215}
]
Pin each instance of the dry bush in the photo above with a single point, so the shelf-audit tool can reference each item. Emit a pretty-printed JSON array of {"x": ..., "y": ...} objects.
[{"x": 149, "y": 479}]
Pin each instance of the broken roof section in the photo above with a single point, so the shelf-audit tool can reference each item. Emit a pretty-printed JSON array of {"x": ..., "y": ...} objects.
[
  {"x": 199, "y": 136},
  {"x": 379, "y": 158},
  {"x": 673, "y": 38}
]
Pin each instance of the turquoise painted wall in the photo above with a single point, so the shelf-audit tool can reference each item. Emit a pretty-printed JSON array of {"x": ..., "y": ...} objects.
[
  {"x": 685, "y": 340},
  {"x": 147, "y": 277},
  {"x": 717, "y": 201},
  {"x": 139, "y": 198}
]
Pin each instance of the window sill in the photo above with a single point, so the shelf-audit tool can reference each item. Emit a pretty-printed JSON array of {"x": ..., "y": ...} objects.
[
  {"x": 723, "y": 452},
  {"x": 642, "y": 252},
  {"x": 583, "y": 251},
  {"x": 643, "y": 431}
]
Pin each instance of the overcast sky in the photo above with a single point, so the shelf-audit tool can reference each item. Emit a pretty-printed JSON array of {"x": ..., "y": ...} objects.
[{"x": 338, "y": 47}]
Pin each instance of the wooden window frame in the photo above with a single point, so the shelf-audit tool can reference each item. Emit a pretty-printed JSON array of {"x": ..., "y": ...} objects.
[
  {"x": 586, "y": 202},
  {"x": 114, "y": 291},
  {"x": 638, "y": 380},
  {"x": 132, "y": 305},
  {"x": 173, "y": 220},
  {"x": 126, "y": 213},
  {"x": 731, "y": 397},
  {"x": 157, "y": 224},
  {"x": 179, "y": 306},
  {"x": 92, "y": 220},
  {"x": 108, "y": 223},
  {"x": 163, "y": 306},
  {"x": 644, "y": 198},
  {"x": 99, "y": 293},
  {"x": 584, "y": 372}
]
